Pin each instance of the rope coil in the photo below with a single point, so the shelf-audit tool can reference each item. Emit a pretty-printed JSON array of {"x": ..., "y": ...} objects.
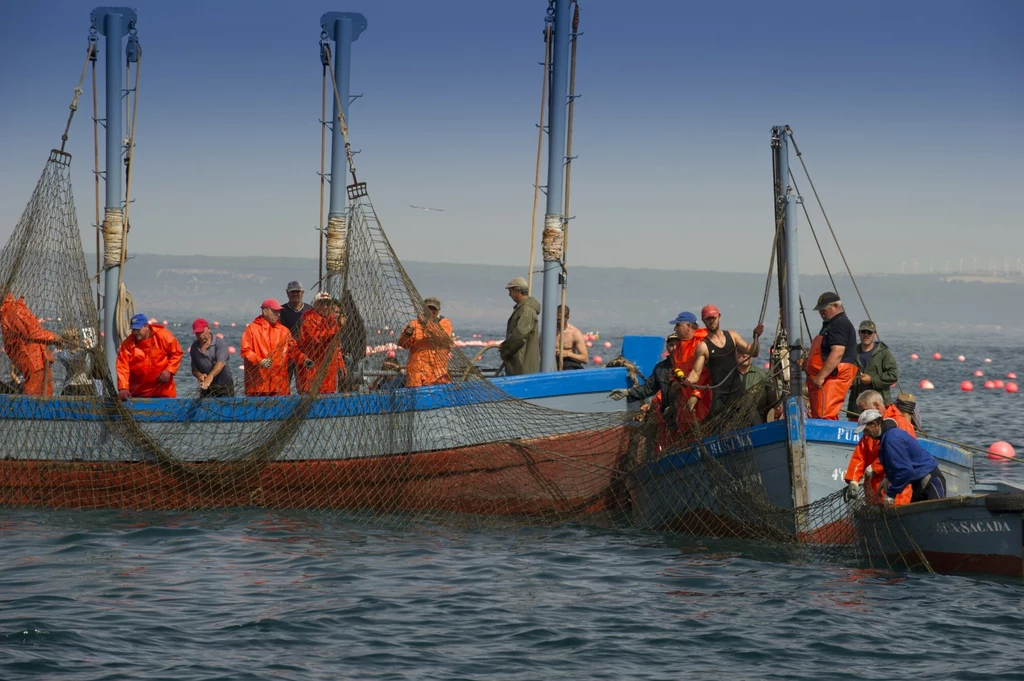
[
  {"x": 113, "y": 236},
  {"x": 337, "y": 230},
  {"x": 552, "y": 243}
]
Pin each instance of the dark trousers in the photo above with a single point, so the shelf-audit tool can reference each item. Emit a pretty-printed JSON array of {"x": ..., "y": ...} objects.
[
  {"x": 931, "y": 486},
  {"x": 221, "y": 390}
]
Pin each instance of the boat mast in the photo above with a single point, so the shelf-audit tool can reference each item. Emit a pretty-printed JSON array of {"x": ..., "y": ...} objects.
[
  {"x": 344, "y": 28},
  {"x": 554, "y": 221},
  {"x": 114, "y": 23},
  {"x": 789, "y": 296}
]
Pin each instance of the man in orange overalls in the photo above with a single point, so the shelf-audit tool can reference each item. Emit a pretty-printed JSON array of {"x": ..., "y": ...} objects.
[
  {"x": 827, "y": 388},
  {"x": 147, "y": 361},
  {"x": 429, "y": 341},
  {"x": 865, "y": 462},
  {"x": 267, "y": 348},
  {"x": 692, "y": 404},
  {"x": 320, "y": 341},
  {"x": 27, "y": 343}
]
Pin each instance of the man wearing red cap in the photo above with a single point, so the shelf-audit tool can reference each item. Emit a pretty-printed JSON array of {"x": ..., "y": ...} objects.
[
  {"x": 718, "y": 352},
  {"x": 210, "y": 362},
  {"x": 267, "y": 348},
  {"x": 147, "y": 361}
]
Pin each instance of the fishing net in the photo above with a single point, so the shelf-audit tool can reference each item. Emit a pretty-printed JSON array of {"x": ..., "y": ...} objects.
[{"x": 360, "y": 439}]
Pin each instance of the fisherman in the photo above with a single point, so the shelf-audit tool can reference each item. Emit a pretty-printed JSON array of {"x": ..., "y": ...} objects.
[
  {"x": 657, "y": 383},
  {"x": 828, "y": 386},
  {"x": 428, "y": 338},
  {"x": 696, "y": 401},
  {"x": 78, "y": 364},
  {"x": 293, "y": 311},
  {"x": 864, "y": 462},
  {"x": 27, "y": 343},
  {"x": 718, "y": 352},
  {"x": 876, "y": 368},
  {"x": 210, "y": 362},
  {"x": 905, "y": 461},
  {"x": 756, "y": 378},
  {"x": 570, "y": 345},
  {"x": 267, "y": 350},
  {"x": 520, "y": 351},
  {"x": 147, "y": 361},
  {"x": 320, "y": 341}
]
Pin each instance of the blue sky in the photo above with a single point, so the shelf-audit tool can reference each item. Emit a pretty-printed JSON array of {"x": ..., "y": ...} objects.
[{"x": 909, "y": 115}]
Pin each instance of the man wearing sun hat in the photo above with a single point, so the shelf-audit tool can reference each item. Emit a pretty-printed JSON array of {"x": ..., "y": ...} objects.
[
  {"x": 428, "y": 338},
  {"x": 905, "y": 461},
  {"x": 267, "y": 350},
  {"x": 147, "y": 361}
]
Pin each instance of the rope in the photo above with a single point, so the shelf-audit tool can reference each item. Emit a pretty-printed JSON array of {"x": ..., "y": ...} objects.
[
  {"x": 540, "y": 150},
  {"x": 78, "y": 93},
  {"x": 814, "y": 233},
  {"x": 341, "y": 121},
  {"x": 337, "y": 232},
  {"x": 323, "y": 157}
]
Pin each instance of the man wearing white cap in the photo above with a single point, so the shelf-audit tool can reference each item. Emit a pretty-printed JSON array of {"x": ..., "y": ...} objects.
[
  {"x": 521, "y": 349},
  {"x": 904, "y": 460}
]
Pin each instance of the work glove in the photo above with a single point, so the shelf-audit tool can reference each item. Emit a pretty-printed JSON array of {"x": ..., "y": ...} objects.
[
  {"x": 888, "y": 501},
  {"x": 758, "y": 330},
  {"x": 618, "y": 393},
  {"x": 123, "y": 395},
  {"x": 869, "y": 472},
  {"x": 267, "y": 362},
  {"x": 308, "y": 363},
  {"x": 852, "y": 491},
  {"x": 164, "y": 377}
]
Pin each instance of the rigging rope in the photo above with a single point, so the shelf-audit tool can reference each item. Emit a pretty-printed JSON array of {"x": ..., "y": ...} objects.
[
  {"x": 78, "y": 93},
  {"x": 540, "y": 151},
  {"x": 323, "y": 157}
]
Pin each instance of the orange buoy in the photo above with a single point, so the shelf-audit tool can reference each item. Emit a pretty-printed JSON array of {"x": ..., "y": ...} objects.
[
  {"x": 1001, "y": 450},
  {"x": 998, "y": 383},
  {"x": 979, "y": 373},
  {"x": 925, "y": 384},
  {"x": 597, "y": 359},
  {"x": 589, "y": 344},
  {"x": 216, "y": 324},
  {"x": 936, "y": 356},
  {"x": 232, "y": 349},
  {"x": 766, "y": 364},
  {"x": 607, "y": 344},
  {"x": 1011, "y": 387},
  {"x": 1012, "y": 375},
  {"x": 961, "y": 358},
  {"x": 990, "y": 384},
  {"x": 966, "y": 386},
  {"x": 913, "y": 355}
]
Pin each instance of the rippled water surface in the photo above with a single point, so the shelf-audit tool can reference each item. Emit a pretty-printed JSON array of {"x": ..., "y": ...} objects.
[{"x": 253, "y": 594}]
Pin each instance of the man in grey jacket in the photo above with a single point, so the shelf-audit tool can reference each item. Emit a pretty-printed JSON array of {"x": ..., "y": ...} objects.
[{"x": 521, "y": 349}]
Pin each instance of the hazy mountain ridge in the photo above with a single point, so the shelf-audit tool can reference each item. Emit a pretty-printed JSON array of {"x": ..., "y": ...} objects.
[{"x": 610, "y": 299}]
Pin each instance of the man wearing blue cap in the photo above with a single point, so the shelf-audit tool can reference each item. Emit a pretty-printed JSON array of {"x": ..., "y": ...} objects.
[
  {"x": 695, "y": 402},
  {"x": 147, "y": 361}
]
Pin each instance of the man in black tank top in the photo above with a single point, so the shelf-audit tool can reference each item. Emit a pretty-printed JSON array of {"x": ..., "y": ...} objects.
[{"x": 718, "y": 351}]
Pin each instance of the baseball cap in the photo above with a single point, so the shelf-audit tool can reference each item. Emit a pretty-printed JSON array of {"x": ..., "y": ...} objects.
[
  {"x": 323, "y": 295},
  {"x": 272, "y": 303},
  {"x": 671, "y": 337},
  {"x": 867, "y": 416},
  {"x": 867, "y": 325},
  {"x": 518, "y": 282},
  {"x": 200, "y": 325},
  {"x": 432, "y": 302},
  {"x": 684, "y": 317},
  {"x": 294, "y": 286},
  {"x": 139, "y": 321},
  {"x": 709, "y": 311},
  {"x": 825, "y": 299}
]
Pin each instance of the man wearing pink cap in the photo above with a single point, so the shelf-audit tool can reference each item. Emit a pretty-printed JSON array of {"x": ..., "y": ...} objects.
[
  {"x": 267, "y": 348},
  {"x": 210, "y": 362},
  {"x": 718, "y": 352}
]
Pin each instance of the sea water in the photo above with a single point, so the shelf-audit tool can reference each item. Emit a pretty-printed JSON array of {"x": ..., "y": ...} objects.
[{"x": 255, "y": 594}]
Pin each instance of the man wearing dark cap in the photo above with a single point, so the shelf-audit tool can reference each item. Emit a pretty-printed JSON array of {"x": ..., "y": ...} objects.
[
  {"x": 293, "y": 310},
  {"x": 520, "y": 351},
  {"x": 876, "y": 369},
  {"x": 827, "y": 388},
  {"x": 428, "y": 338}
]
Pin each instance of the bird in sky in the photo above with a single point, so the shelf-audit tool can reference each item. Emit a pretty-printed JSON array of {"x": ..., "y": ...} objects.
[{"x": 438, "y": 210}]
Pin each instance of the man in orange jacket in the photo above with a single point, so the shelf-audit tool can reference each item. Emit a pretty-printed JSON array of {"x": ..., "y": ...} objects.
[
  {"x": 692, "y": 404},
  {"x": 827, "y": 388},
  {"x": 865, "y": 462},
  {"x": 428, "y": 338},
  {"x": 267, "y": 348},
  {"x": 320, "y": 341},
  {"x": 27, "y": 343},
  {"x": 147, "y": 361}
]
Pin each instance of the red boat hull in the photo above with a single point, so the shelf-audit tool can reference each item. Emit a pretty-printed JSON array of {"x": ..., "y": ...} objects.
[{"x": 574, "y": 473}]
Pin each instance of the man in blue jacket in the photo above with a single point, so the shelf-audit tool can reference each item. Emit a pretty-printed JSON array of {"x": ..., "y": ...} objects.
[{"x": 905, "y": 461}]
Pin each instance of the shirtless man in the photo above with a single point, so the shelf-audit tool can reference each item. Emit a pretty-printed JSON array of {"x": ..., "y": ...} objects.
[
  {"x": 718, "y": 350},
  {"x": 570, "y": 344}
]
